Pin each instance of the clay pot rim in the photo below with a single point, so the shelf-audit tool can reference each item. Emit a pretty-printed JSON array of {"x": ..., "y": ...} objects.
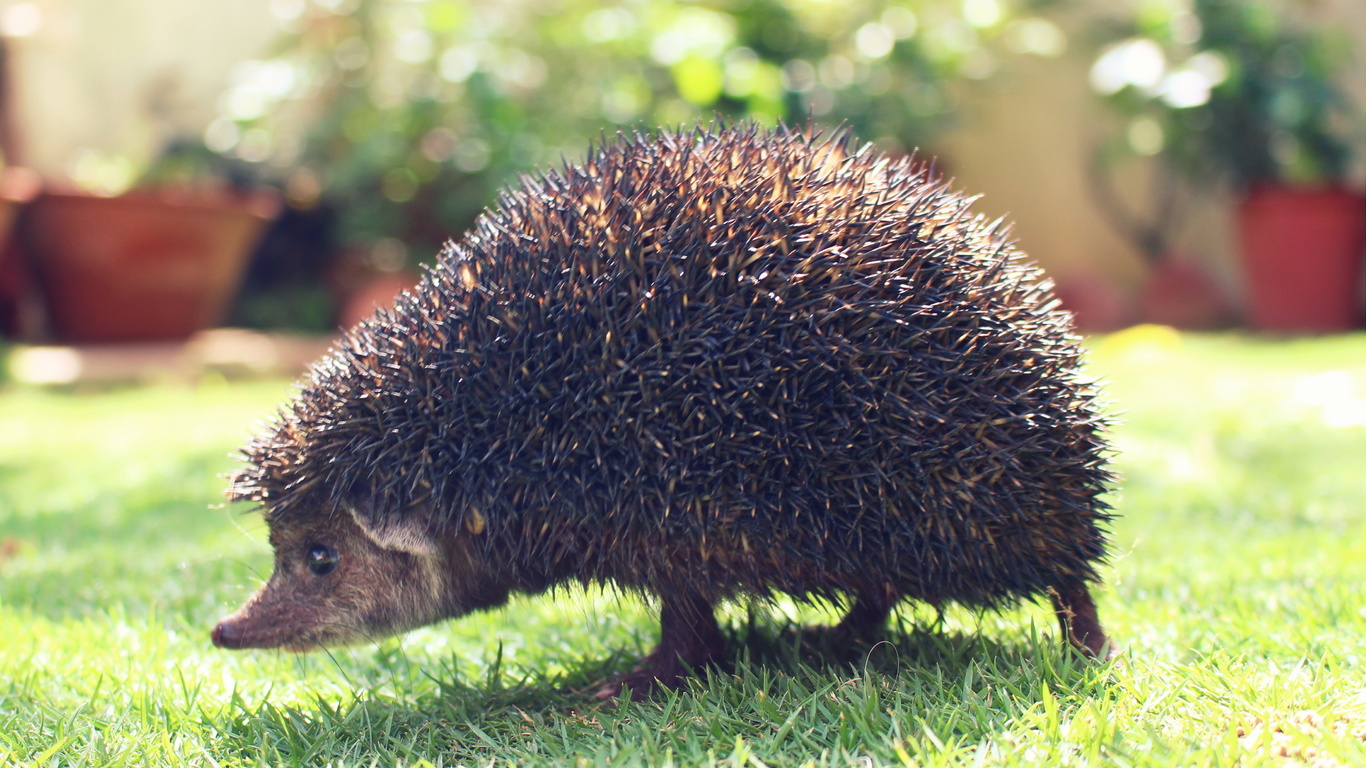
[
  {"x": 261, "y": 202},
  {"x": 1334, "y": 187}
]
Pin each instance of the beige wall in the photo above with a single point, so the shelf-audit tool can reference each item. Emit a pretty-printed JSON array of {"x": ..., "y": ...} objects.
[
  {"x": 1025, "y": 147},
  {"x": 1023, "y": 144},
  {"x": 122, "y": 76}
]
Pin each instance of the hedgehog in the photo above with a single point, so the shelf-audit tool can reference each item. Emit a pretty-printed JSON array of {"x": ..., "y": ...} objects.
[{"x": 725, "y": 363}]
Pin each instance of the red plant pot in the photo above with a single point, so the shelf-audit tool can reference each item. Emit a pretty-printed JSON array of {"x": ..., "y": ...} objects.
[
  {"x": 141, "y": 266},
  {"x": 380, "y": 290},
  {"x": 1182, "y": 295},
  {"x": 1303, "y": 254}
]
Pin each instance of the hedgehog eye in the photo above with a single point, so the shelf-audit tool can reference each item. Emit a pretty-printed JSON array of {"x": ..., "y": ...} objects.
[{"x": 321, "y": 559}]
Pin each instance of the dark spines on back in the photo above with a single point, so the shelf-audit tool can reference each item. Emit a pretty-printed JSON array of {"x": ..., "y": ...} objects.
[{"x": 763, "y": 357}]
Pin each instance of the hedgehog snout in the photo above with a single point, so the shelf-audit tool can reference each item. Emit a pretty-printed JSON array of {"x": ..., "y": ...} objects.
[{"x": 228, "y": 634}]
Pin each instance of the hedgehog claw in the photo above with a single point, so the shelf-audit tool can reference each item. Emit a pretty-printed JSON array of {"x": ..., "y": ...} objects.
[
  {"x": 650, "y": 676},
  {"x": 689, "y": 640},
  {"x": 642, "y": 685}
]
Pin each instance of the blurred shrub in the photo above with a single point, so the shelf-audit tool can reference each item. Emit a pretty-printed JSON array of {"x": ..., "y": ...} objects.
[
  {"x": 407, "y": 115},
  {"x": 1233, "y": 90}
]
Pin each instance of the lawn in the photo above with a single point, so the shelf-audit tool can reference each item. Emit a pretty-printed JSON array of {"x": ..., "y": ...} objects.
[{"x": 1235, "y": 588}]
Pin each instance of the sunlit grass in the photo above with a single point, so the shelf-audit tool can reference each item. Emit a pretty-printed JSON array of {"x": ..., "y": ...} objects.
[{"x": 1236, "y": 589}]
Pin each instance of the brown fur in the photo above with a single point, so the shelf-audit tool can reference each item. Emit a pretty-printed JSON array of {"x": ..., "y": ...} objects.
[{"x": 374, "y": 592}]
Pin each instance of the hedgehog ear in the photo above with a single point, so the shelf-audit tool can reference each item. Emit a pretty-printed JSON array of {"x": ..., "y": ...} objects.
[{"x": 408, "y": 531}]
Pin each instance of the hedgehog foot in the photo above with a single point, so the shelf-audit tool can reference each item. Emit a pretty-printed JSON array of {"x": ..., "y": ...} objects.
[
  {"x": 689, "y": 640},
  {"x": 1080, "y": 624}
]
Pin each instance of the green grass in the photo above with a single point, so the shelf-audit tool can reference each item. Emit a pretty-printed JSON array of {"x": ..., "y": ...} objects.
[{"x": 1236, "y": 588}]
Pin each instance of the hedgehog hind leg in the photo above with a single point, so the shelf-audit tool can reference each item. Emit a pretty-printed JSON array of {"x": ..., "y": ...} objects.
[
  {"x": 1079, "y": 622},
  {"x": 866, "y": 619},
  {"x": 689, "y": 640}
]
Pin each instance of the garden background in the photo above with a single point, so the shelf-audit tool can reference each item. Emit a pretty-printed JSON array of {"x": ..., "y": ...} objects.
[{"x": 343, "y": 141}]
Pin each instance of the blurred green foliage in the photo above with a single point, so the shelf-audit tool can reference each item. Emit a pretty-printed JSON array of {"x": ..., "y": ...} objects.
[
  {"x": 1241, "y": 91},
  {"x": 407, "y": 115}
]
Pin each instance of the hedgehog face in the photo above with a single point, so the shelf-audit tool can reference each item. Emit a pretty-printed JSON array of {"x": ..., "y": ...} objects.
[{"x": 340, "y": 579}]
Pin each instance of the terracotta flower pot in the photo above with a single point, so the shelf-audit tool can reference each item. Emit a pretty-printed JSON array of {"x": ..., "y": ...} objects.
[
  {"x": 141, "y": 266},
  {"x": 1096, "y": 304},
  {"x": 1183, "y": 295},
  {"x": 1303, "y": 254},
  {"x": 381, "y": 290},
  {"x": 360, "y": 283}
]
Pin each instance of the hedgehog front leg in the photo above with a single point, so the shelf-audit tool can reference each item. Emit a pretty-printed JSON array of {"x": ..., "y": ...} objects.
[
  {"x": 689, "y": 640},
  {"x": 1080, "y": 624}
]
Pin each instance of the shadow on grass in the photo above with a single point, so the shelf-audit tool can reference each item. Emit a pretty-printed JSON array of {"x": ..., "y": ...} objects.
[
  {"x": 778, "y": 688},
  {"x": 790, "y": 646}
]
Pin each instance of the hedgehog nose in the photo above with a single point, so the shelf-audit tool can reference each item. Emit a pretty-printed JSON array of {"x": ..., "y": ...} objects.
[{"x": 227, "y": 635}]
